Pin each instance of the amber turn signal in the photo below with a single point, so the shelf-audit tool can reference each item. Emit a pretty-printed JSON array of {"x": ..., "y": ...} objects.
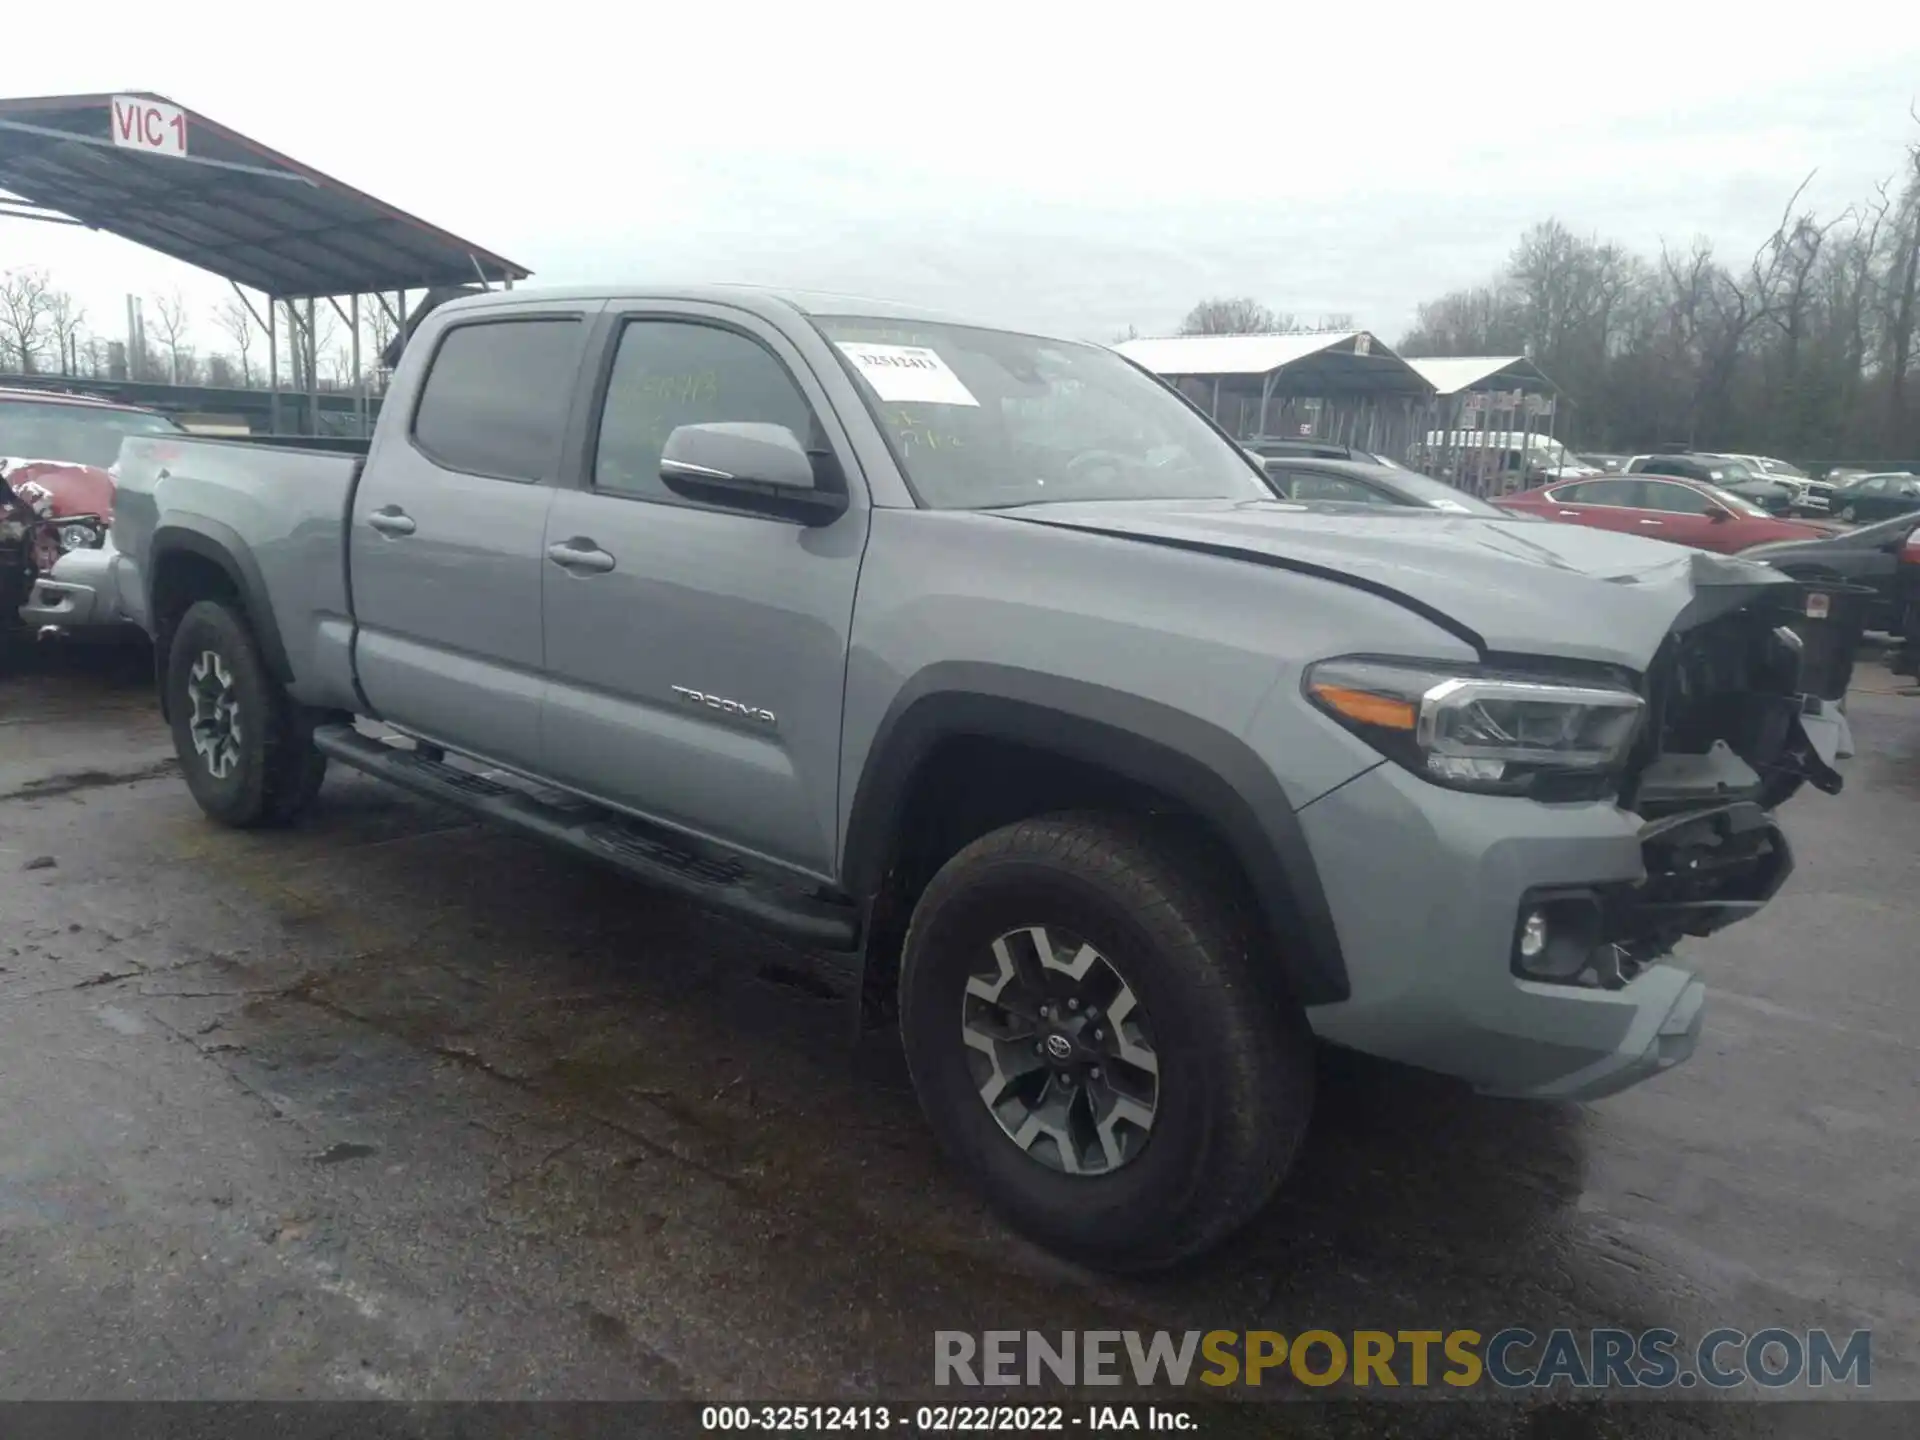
[{"x": 1365, "y": 708}]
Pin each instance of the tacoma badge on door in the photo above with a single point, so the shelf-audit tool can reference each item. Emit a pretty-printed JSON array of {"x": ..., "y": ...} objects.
[{"x": 729, "y": 707}]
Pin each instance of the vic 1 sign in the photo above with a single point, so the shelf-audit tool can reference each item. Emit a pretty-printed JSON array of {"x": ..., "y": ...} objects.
[{"x": 148, "y": 125}]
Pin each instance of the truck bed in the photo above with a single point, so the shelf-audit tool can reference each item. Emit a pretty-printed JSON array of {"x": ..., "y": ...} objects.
[{"x": 285, "y": 509}]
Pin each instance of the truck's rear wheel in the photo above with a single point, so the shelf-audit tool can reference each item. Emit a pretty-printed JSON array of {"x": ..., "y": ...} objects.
[
  {"x": 246, "y": 752},
  {"x": 1090, "y": 1039}
]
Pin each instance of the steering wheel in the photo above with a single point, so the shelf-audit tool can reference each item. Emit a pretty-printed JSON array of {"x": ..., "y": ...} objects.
[{"x": 1087, "y": 459}]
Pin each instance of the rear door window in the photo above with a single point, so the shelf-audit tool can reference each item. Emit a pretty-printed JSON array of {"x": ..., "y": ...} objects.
[
  {"x": 1599, "y": 492},
  {"x": 1674, "y": 499},
  {"x": 496, "y": 397}
]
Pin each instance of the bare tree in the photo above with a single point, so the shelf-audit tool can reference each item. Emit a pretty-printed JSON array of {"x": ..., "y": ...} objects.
[
  {"x": 1905, "y": 299},
  {"x": 174, "y": 324},
  {"x": 1230, "y": 317},
  {"x": 1483, "y": 320},
  {"x": 380, "y": 326},
  {"x": 235, "y": 319},
  {"x": 26, "y": 314},
  {"x": 1801, "y": 349},
  {"x": 65, "y": 316},
  {"x": 326, "y": 332}
]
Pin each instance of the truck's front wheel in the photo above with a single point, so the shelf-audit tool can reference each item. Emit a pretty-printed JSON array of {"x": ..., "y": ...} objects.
[
  {"x": 1089, "y": 1038},
  {"x": 246, "y": 753}
]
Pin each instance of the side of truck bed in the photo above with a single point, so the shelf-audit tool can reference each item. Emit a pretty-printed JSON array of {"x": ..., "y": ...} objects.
[{"x": 271, "y": 520}]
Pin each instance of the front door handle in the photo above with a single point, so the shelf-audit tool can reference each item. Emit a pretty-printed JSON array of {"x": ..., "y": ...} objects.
[
  {"x": 1571, "y": 514},
  {"x": 1653, "y": 522},
  {"x": 391, "y": 520},
  {"x": 580, "y": 555}
]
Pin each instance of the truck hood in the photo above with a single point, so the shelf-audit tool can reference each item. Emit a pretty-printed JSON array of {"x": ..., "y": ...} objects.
[
  {"x": 1516, "y": 586},
  {"x": 59, "y": 487}
]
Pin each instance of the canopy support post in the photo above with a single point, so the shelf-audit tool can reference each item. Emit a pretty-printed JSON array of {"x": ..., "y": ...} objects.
[
  {"x": 359, "y": 380},
  {"x": 313, "y": 372},
  {"x": 273, "y": 368}
]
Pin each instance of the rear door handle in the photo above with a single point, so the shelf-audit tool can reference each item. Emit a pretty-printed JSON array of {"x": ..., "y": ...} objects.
[
  {"x": 580, "y": 555},
  {"x": 391, "y": 520},
  {"x": 1653, "y": 522},
  {"x": 1571, "y": 514}
]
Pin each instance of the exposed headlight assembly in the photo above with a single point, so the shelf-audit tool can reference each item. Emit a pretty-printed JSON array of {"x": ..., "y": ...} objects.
[
  {"x": 1496, "y": 732},
  {"x": 79, "y": 535}
]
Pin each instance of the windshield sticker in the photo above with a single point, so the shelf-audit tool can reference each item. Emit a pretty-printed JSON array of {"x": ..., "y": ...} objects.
[{"x": 909, "y": 374}]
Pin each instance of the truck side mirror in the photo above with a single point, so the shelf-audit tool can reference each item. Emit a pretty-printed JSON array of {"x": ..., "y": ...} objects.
[{"x": 762, "y": 469}]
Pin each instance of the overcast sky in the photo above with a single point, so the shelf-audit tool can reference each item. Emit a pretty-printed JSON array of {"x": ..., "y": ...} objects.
[{"x": 1057, "y": 165}]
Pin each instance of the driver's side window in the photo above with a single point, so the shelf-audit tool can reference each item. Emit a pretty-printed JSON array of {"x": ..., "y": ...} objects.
[{"x": 668, "y": 373}]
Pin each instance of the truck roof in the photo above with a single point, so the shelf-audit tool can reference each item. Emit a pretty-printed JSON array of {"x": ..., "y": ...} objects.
[
  {"x": 760, "y": 298},
  {"x": 70, "y": 397}
]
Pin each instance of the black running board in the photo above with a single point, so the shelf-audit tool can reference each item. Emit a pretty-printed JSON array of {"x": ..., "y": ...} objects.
[{"x": 705, "y": 875}]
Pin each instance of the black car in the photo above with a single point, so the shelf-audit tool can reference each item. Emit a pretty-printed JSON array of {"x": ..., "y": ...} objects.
[
  {"x": 1733, "y": 476},
  {"x": 1877, "y": 497},
  {"x": 1352, "y": 482},
  {"x": 1277, "y": 447},
  {"x": 1869, "y": 555}
]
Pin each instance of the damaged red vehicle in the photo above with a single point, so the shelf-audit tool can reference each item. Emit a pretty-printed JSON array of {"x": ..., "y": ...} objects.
[{"x": 56, "y": 483}]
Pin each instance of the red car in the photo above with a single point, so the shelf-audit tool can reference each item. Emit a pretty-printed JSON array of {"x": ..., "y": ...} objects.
[
  {"x": 1687, "y": 512},
  {"x": 56, "y": 454}
]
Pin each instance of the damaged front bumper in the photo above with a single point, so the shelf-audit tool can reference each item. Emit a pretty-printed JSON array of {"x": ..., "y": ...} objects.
[
  {"x": 79, "y": 598},
  {"x": 1527, "y": 946}
]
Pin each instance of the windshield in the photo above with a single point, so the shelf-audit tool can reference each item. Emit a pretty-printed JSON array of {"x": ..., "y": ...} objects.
[
  {"x": 77, "y": 434},
  {"x": 1733, "y": 472},
  {"x": 985, "y": 418}
]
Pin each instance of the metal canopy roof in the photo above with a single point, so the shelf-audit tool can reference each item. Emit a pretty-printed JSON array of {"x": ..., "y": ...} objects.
[
  {"x": 213, "y": 198},
  {"x": 1451, "y": 374},
  {"x": 1319, "y": 363}
]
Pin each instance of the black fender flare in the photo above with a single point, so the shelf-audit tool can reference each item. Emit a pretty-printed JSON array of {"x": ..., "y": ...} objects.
[
  {"x": 220, "y": 544},
  {"x": 1207, "y": 769}
]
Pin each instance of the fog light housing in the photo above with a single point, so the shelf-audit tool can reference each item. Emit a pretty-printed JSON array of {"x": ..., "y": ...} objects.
[
  {"x": 1554, "y": 938},
  {"x": 1533, "y": 934}
]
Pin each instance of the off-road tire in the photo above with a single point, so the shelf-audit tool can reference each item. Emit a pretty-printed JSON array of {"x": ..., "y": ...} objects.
[
  {"x": 278, "y": 771},
  {"x": 1235, "y": 1053}
]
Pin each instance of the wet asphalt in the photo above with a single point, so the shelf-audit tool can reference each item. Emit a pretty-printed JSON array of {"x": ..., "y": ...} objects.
[{"x": 394, "y": 1106}]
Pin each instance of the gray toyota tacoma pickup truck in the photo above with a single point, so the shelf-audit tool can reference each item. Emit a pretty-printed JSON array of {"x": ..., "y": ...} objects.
[{"x": 987, "y": 658}]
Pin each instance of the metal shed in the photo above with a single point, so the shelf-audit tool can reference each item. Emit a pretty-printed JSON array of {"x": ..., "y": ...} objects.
[
  {"x": 1490, "y": 414},
  {"x": 1345, "y": 387},
  {"x": 138, "y": 166}
]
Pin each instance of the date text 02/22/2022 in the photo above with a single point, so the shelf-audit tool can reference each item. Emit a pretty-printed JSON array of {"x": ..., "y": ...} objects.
[{"x": 942, "y": 1419}]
